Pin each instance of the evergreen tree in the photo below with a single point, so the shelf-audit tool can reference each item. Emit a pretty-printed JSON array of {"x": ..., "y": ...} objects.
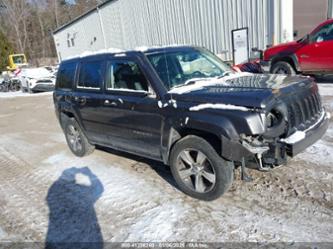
[{"x": 5, "y": 50}]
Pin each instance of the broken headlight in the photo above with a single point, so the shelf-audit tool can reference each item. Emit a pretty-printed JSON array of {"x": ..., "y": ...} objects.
[
  {"x": 276, "y": 122},
  {"x": 273, "y": 118}
]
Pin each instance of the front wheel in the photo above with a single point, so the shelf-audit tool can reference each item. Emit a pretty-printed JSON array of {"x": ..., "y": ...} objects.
[
  {"x": 76, "y": 140},
  {"x": 283, "y": 67},
  {"x": 198, "y": 170}
]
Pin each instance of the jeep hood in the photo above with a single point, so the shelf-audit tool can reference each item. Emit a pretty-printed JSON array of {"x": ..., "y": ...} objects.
[{"x": 251, "y": 91}]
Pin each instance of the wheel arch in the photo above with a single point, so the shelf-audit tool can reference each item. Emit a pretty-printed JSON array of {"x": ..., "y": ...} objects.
[
  {"x": 290, "y": 58},
  {"x": 65, "y": 114},
  {"x": 211, "y": 132}
]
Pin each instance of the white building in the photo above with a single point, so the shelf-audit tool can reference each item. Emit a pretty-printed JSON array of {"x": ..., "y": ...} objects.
[{"x": 128, "y": 24}]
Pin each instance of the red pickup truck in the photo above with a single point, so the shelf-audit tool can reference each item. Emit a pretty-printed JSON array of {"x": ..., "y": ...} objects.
[{"x": 313, "y": 54}]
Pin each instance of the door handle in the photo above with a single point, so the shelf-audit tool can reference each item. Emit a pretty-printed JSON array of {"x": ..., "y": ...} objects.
[
  {"x": 304, "y": 56},
  {"x": 110, "y": 103},
  {"x": 81, "y": 100}
]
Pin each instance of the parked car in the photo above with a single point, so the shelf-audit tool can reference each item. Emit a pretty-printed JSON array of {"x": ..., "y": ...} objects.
[
  {"x": 37, "y": 80},
  {"x": 185, "y": 107},
  {"x": 313, "y": 54}
]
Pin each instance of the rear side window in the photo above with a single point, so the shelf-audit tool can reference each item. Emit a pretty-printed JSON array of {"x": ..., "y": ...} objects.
[
  {"x": 66, "y": 75},
  {"x": 125, "y": 75},
  {"x": 91, "y": 75}
]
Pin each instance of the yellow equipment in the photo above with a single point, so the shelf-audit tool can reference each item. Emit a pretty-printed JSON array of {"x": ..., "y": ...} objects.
[{"x": 16, "y": 61}]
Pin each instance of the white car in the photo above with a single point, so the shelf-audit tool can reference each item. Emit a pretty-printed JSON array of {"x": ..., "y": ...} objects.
[{"x": 37, "y": 80}]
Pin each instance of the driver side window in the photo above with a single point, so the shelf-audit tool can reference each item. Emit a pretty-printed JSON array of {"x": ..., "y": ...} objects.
[{"x": 324, "y": 34}]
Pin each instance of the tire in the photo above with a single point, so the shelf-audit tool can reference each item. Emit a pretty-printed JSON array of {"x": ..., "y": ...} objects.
[
  {"x": 283, "y": 67},
  {"x": 76, "y": 140},
  {"x": 202, "y": 178}
]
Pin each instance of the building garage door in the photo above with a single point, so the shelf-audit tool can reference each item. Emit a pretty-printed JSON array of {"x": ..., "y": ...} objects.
[{"x": 308, "y": 14}]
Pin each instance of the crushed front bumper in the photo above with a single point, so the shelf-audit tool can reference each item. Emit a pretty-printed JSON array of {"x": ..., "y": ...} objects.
[
  {"x": 278, "y": 151},
  {"x": 297, "y": 143}
]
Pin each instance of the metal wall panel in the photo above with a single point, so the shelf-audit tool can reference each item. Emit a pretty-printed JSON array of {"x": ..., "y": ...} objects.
[
  {"x": 87, "y": 35},
  {"x": 132, "y": 23}
]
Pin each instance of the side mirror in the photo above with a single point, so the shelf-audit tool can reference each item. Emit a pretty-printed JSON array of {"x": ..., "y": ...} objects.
[
  {"x": 256, "y": 54},
  {"x": 307, "y": 38}
]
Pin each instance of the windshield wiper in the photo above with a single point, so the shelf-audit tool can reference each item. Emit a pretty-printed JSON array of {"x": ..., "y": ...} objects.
[
  {"x": 194, "y": 80},
  {"x": 191, "y": 82}
]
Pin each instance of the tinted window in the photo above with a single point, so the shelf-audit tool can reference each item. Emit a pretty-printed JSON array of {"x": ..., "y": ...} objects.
[
  {"x": 91, "y": 74},
  {"x": 66, "y": 74},
  {"x": 324, "y": 34},
  {"x": 125, "y": 75}
]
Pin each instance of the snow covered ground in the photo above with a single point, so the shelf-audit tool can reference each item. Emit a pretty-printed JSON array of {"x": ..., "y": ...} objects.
[
  {"x": 22, "y": 94},
  {"x": 47, "y": 194}
]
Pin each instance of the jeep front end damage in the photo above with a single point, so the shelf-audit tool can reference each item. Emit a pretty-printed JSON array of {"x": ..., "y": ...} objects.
[{"x": 266, "y": 152}]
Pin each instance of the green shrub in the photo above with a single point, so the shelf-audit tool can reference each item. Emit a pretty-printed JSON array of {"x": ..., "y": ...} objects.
[{"x": 5, "y": 50}]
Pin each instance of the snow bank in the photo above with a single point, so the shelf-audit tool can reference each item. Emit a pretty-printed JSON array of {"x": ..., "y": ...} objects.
[{"x": 21, "y": 94}]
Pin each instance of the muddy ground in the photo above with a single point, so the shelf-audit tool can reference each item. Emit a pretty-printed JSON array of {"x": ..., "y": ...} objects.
[{"x": 46, "y": 193}]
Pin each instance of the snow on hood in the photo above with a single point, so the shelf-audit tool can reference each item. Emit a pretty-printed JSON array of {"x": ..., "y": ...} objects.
[
  {"x": 36, "y": 73},
  {"x": 207, "y": 82},
  {"x": 218, "y": 106}
]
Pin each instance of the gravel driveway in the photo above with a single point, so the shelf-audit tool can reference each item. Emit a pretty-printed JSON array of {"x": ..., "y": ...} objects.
[{"x": 46, "y": 193}]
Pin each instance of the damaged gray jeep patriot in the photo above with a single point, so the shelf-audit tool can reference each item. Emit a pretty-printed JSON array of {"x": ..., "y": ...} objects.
[{"x": 185, "y": 107}]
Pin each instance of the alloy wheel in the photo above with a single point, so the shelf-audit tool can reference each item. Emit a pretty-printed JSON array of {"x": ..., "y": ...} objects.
[
  {"x": 74, "y": 138},
  {"x": 195, "y": 170}
]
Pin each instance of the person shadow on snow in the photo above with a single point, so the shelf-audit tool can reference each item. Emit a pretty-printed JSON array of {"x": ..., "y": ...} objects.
[{"x": 72, "y": 218}]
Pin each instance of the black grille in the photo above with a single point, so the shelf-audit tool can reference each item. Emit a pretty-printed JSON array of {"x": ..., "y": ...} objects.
[{"x": 304, "y": 111}]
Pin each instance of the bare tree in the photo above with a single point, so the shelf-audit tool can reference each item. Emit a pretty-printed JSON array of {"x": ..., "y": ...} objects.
[
  {"x": 28, "y": 24},
  {"x": 16, "y": 12}
]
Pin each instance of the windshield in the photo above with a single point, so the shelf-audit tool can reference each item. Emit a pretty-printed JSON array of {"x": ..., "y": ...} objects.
[
  {"x": 179, "y": 68},
  {"x": 18, "y": 59}
]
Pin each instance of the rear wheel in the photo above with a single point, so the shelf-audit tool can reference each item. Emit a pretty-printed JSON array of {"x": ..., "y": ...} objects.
[
  {"x": 283, "y": 67},
  {"x": 198, "y": 170},
  {"x": 76, "y": 140}
]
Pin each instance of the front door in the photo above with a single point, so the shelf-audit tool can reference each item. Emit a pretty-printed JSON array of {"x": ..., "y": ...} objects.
[
  {"x": 131, "y": 110},
  {"x": 317, "y": 55}
]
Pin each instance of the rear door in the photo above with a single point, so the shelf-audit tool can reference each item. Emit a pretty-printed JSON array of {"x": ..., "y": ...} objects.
[
  {"x": 317, "y": 55},
  {"x": 131, "y": 110},
  {"x": 87, "y": 97}
]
